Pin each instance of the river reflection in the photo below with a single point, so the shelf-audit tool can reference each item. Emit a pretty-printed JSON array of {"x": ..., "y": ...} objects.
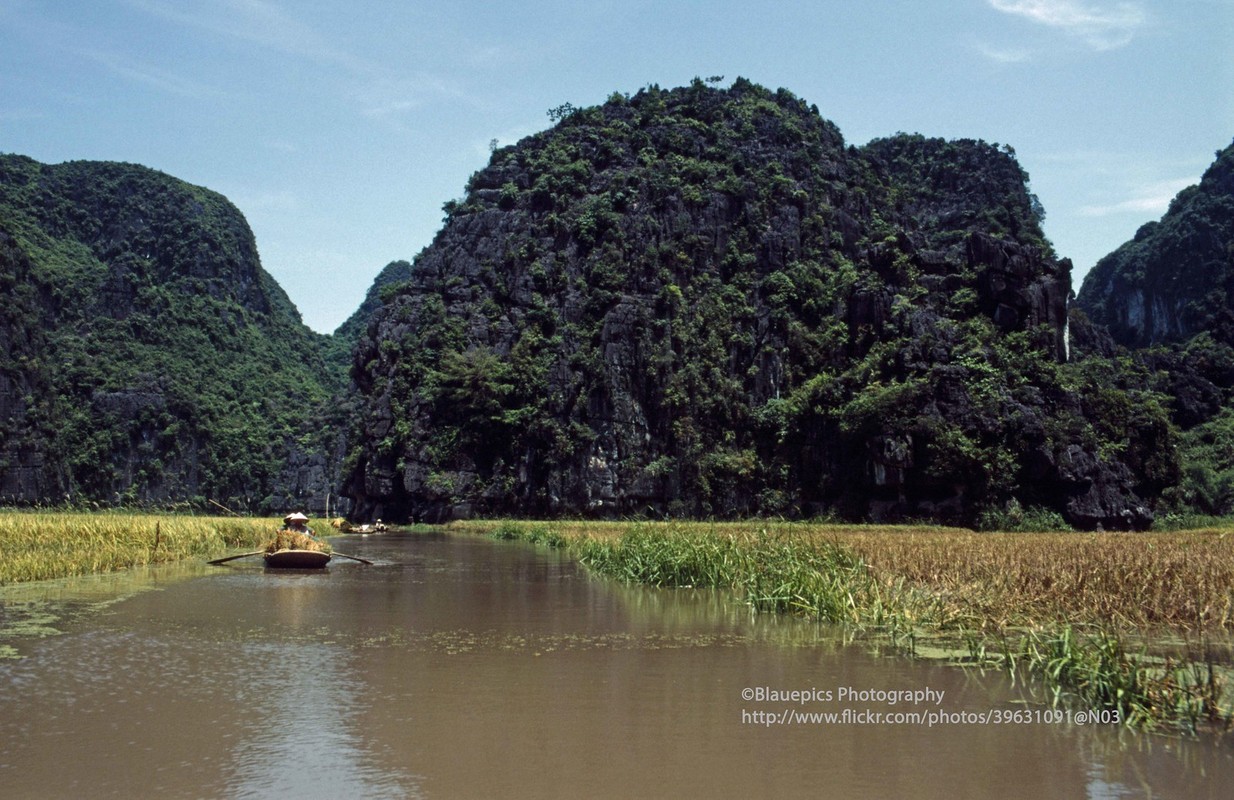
[{"x": 461, "y": 667}]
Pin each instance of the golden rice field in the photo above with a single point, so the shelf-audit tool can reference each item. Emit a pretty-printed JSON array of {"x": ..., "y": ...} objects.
[
  {"x": 41, "y": 545},
  {"x": 1182, "y": 580}
]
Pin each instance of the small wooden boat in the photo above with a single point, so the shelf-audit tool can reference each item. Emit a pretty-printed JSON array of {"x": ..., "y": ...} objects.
[{"x": 297, "y": 559}]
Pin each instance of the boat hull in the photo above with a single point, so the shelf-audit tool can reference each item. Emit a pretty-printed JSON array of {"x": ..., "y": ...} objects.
[{"x": 297, "y": 559}]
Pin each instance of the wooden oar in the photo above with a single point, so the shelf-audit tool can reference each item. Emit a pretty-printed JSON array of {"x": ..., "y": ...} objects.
[
  {"x": 233, "y": 558},
  {"x": 353, "y": 558}
]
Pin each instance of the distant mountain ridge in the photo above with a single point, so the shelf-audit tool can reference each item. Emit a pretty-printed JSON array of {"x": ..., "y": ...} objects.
[
  {"x": 1167, "y": 300},
  {"x": 1176, "y": 277}
]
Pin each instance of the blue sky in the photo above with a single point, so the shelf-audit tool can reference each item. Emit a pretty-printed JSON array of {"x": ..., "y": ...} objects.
[{"x": 339, "y": 129}]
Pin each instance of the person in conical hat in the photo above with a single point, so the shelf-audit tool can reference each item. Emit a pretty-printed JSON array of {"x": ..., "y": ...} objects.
[{"x": 298, "y": 523}]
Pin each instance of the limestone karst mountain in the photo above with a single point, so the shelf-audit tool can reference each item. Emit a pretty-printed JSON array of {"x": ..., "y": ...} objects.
[{"x": 701, "y": 301}]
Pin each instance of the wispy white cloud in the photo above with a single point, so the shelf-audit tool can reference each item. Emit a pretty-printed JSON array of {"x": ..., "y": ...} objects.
[
  {"x": 150, "y": 75},
  {"x": 1152, "y": 198},
  {"x": 1102, "y": 27},
  {"x": 388, "y": 97},
  {"x": 260, "y": 22},
  {"x": 383, "y": 107},
  {"x": 378, "y": 92},
  {"x": 54, "y": 35},
  {"x": 1004, "y": 55}
]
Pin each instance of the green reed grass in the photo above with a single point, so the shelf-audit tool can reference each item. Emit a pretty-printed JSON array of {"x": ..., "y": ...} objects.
[
  {"x": 1100, "y": 671},
  {"x": 771, "y": 570},
  {"x": 39, "y": 545},
  {"x": 811, "y": 572},
  {"x": 536, "y": 534}
]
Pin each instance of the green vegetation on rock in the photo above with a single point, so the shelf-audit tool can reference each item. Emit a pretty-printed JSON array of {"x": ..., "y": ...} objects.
[
  {"x": 149, "y": 358},
  {"x": 702, "y": 302}
]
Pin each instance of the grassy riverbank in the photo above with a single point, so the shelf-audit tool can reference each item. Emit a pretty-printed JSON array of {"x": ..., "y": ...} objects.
[
  {"x": 40, "y": 545},
  {"x": 1087, "y": 614}
]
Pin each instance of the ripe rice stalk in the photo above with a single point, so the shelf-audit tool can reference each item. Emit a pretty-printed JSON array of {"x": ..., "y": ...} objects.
[
  {"x": 41, "y": 545},
  {"x": 294, "y": 540}
]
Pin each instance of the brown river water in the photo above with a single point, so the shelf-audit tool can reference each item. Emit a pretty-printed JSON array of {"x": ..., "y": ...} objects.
[{"x": 459, "y": 667}]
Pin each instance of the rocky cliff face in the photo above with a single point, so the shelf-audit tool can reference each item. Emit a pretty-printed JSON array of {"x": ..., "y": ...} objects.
[
  {"x": 1167, "y": 298},
  {"x": 703, "y": 302},
  {"x": 149, "y": 357},
  {"x": 1175, "y": 279},
  {"x": 26, "y": 417}
]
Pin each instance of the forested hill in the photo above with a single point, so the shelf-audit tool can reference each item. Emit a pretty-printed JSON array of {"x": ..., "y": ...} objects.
[
  {"x": 147, "y": 356},
  {"x": 702, "y": 301}
]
